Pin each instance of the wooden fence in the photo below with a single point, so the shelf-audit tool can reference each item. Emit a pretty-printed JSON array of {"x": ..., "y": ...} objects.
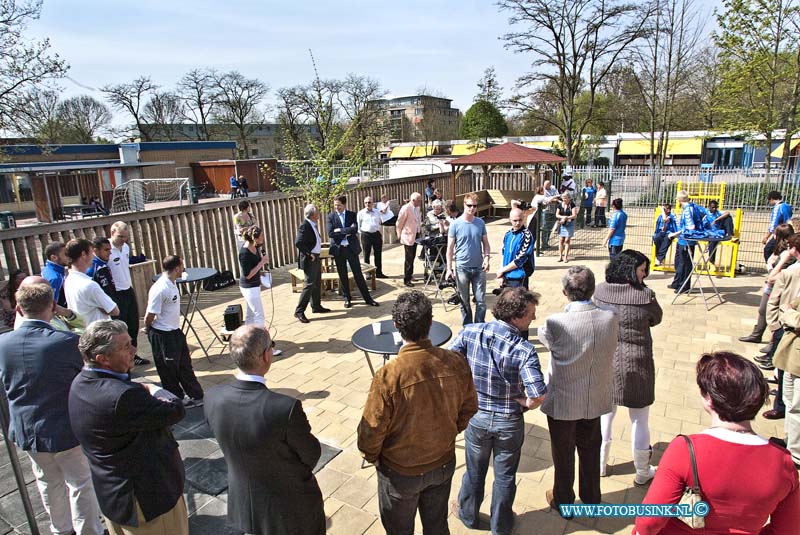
[{"x": 203, "y": 234}]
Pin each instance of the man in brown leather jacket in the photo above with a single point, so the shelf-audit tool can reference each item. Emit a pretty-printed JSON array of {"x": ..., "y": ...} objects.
[{"x": 417, "y": 405}]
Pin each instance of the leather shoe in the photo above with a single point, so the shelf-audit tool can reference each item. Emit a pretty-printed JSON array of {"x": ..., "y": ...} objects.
[
  {"x": 381, "y": 276},
  {"x": 320, "y": 310},
  {"x": 773, "y": 392},
  {"x": 408, "y": 284},
  {"x": 752, "y": 338},
  {"x": 552, "y": 503},
  {"x": 773, "y": 415},
  {"x": 768, "y": 366},
  {"x": 762, "y": 359},
  {"x": 301, "y": 317},
  {"x": 373, "y": 303},
  {"x": 767, "y": 348},
  {"x": 348, "y": 304}
]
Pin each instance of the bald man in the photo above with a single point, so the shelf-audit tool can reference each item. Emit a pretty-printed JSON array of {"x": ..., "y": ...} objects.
[{"x": 517, "y": 255}]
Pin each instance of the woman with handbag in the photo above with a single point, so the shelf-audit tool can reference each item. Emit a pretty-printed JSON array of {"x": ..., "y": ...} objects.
[
  {"x": 634, "y": 368},
  {"x": 251, "y": 264},
  {"x": 749, "y": 483}
]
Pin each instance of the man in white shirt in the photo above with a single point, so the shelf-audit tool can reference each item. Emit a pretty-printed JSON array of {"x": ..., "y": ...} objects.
[
  {"x": 369, "y": 224},
  {"x": 162, "y": 323},
  {"x": 124, "y": 296},
  {"x": 84, "y": 295},
  {"x": 388, "y": 217}
]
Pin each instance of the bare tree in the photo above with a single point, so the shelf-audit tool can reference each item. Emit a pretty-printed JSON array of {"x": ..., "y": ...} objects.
[
  {"x": 704, "y": 84},
  {"x": 164, "y": 113},
  {"x": 24, "y": 65},
  {"x": 83, "y": 118},
  {"x": 131, "y": 97},
  {"x": 356, "y": 93},
  {"x": 196, "y": 90},
  {"x": 575, "y": 44},
  {"x": 314, "y": 105},
  {"x": 37, "y": 116},
  {"x": 664, "y": 64},
  {"x": 239, "y": 103}
]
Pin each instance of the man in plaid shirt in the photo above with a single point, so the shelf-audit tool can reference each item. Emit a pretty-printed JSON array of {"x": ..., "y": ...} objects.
[{"x": 509, "y": 380}]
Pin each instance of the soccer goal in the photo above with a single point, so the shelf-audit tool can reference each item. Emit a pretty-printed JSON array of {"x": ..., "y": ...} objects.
[{"x": 134, "y": 194}]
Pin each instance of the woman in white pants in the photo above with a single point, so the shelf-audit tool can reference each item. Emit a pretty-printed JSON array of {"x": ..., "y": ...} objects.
[
  {"x": 251, "y": 263},
  {"x": 634, "y": 369}
]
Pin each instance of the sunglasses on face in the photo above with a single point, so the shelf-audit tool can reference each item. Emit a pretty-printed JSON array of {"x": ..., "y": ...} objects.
[{"x": 471, "y": 205}]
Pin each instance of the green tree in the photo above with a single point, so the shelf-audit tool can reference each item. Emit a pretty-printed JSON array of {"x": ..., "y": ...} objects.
[
  {"x": 759, "y": 89},
  {"x": 482, "y": 121}
]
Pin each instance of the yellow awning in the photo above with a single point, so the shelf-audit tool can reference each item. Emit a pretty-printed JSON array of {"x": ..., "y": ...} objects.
[
  {"x": 778, "y": 152},
  {"x": 465, "y": 149},
  {"x": 538, "y": 144},
  {"x": 641, "y": 147},
  {"x": 401, "y": 152},
  {"x": 424, "y": 150}
]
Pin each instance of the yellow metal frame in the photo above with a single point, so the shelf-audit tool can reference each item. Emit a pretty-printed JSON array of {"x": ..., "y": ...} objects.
[{"x": 727, "y": 252}]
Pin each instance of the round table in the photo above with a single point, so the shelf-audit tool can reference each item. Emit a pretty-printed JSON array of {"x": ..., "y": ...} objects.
[{"x": 384, "y": 343}]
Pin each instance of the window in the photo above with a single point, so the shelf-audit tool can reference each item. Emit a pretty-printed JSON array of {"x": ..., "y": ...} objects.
[{"x": 253, "y": 152}]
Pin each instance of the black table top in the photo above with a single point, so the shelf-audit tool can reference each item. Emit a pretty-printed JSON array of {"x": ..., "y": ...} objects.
[
  {"x": 193, "y": 275},
  {"x": 384, "y": 344}
]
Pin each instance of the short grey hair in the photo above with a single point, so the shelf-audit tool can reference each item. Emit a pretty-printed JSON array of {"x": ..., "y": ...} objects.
[
  {"x": 578, "y": 283},
  {"x": 309, "y": 210},
  {"x": 247, "y": 345},
  {"x": 436, "y": 203},
  {"x": 98, "y": 339},
  {"x": 414, "y": 196}
]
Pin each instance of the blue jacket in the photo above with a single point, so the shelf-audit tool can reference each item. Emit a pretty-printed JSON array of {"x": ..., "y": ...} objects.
[
  {"x": 37, "y": 366},
  {"x": 517, "y": 248},
  {"x": 692, "y": 219},
  {"x": 55, "y": 275},
  {"x": 672, "y": 224},
  {"x": 781, "y": 213}
]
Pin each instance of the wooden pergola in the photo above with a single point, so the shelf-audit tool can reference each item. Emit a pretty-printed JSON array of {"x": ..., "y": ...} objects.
[{"x": 503, "y": 155}]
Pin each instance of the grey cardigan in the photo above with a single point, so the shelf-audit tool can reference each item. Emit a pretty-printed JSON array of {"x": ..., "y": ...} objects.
[{"x": 580, "y": 378}]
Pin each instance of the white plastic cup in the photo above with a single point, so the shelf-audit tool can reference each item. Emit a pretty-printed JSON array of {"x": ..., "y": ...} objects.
[
  {"x": 397, "y": 338},
  {"x": 376, "y": 328},
  {"x": 184, "y": 275}
]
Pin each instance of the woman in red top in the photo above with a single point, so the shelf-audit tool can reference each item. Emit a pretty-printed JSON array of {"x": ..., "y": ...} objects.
[{"x": 749, "y": 483}]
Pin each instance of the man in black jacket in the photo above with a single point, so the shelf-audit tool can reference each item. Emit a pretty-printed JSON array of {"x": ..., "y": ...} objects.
[
  {"x": 123, "y": 428},
  {"x": 345, "y": 248},
  {"x": 267, "y": 444},
  {"x": 309, "y": 243},
  {"x": 100, "y": 272}
]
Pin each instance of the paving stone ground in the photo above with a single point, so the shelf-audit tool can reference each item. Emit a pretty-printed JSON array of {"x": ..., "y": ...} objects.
[{"x": 320, "y": 366}]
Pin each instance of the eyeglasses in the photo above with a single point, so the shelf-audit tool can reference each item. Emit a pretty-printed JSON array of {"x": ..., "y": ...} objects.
[
  {"x": 471, "y": 205},
  {"x": 367, "y": 202}
]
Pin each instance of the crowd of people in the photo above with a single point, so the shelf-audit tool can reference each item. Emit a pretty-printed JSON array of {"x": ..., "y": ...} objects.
[{"x": 100, "y": 444}]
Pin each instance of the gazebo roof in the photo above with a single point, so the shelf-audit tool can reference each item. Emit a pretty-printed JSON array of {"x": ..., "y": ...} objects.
[{"x": 508, "y": 154}]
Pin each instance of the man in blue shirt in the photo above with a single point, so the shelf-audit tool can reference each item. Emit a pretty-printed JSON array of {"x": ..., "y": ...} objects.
[
  {"x": 517, "y": 256},
  {"x": 234, "y": 186},
  {"x": 666, "y": 224},
  {"x": 716, "y": 220},
  {"x": 691, "y": 218},
  {"x": 468, "y": 245},
  {"x": 55, "y": 272},
  {"x": 781, "y": 213},
  {"x": 616, "y": 229},
  {"x": 508, "y": 378},
  {"x": 587, "y": 201},
  {"x": 100, "y": 272}
]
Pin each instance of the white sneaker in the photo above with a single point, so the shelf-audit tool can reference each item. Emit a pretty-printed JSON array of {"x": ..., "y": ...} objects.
[{"x": 276, "y": 352}]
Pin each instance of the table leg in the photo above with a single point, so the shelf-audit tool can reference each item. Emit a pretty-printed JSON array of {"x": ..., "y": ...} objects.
[{"x": 369, "y": 363}]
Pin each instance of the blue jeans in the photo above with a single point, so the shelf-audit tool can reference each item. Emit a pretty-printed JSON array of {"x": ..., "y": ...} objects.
[
  {"x": 499, "y": 437},
  {"x": 475, "y": 277},
  {"x": 614, "y": 250},
  {"x": 400, "y": 496}
]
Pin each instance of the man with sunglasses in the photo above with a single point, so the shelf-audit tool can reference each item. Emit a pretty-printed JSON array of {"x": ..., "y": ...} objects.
[{"x": 468, "y": 245}]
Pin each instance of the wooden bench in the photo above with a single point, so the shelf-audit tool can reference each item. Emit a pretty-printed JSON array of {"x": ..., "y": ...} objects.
[
  {"x": 501, "y": 199},
  {"x": 330, "y": 280}
]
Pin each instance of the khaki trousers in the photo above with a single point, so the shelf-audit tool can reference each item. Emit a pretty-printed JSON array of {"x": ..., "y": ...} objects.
[
  {"x": 173, "y": 522},
  {"x": 791, "y": 398}
]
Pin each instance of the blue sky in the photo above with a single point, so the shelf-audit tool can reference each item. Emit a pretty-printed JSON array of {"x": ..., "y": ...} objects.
[{"x": 443, "y": 45}]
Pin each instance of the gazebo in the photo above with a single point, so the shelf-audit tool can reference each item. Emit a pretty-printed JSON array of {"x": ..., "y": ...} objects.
[{"x": 502, "y": 155}]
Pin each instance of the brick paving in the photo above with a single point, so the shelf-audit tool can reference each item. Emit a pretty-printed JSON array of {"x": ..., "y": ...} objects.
[{"x": 320, "y": 366}]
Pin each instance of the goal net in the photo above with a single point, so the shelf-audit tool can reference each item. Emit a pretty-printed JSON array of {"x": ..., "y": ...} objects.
[{"x": 134, "y": 194}]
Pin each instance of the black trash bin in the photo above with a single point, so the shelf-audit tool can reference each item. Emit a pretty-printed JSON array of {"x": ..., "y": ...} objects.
[
  {"x": 193, "y": 194},
  {"x": 7, "y": 220}
]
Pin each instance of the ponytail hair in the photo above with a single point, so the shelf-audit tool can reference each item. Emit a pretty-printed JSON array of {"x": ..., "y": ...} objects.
[{"x": 251, "y": 234}]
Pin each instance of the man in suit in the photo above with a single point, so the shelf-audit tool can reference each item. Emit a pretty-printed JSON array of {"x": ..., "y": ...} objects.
[
  {"x": 268, "y": 446},
  {"x": 37, "y": 366},
  {"x": 345, "y": 248},
  {"x": 123, "y": 428},
  {"x": 309, "y": 243},
  {"x": 582, "y": 341},
  {"x": 407, "y": 227}
]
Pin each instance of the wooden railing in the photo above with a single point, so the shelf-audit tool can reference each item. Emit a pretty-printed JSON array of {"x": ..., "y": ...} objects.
[{"x": 203, "y": 234}]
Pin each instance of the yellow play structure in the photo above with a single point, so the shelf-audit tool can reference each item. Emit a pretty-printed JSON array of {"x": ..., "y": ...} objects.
[{"x": 724, "y": 264}]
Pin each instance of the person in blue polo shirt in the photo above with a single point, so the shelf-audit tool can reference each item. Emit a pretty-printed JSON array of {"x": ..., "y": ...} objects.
[
  {"x": 691, "y": 220},
  {"x": 587, "y": 201},
  {"x": 666, "y": 224},
  {"x": 781, "y": 213},
  {"x": 616, "y": 229},
  {"x": 234, "y": 186}
]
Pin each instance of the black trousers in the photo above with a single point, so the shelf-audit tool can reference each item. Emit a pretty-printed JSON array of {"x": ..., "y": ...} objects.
[
  {"x": 565, "y": 437},
  {"x": 373, "y": 241},
  {"x": 174, "y": 365},
  {"x": 408, "y": 265},
  {"x": 769, "y": 248},
  {"x": 311, "y": 287},
  {"x": 344, "y": 257},
  {"x": 662, "y": 242},
  {"x": 683, "y": 266},
  {"x": 128, "y": 312}
]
